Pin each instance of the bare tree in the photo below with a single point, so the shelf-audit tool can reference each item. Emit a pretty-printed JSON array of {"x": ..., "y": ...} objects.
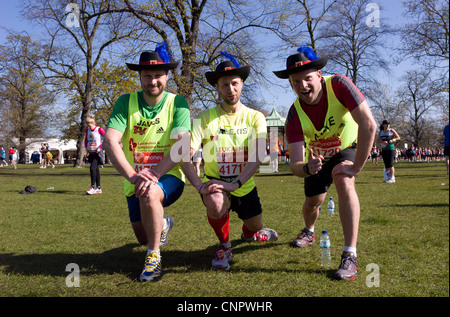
[
  {"x": 419, "y": 95},
  {"x": 196, "y": 31},
  {"x": 427, "y": 38},
  {"x": 77, "y": 36},
  {"x": 24, "y": 96}
]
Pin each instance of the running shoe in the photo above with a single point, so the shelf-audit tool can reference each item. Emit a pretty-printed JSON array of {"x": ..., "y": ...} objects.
[
  {"x": 91, "y": 191},
  {"x": 348, "y": 268},
  {"x": 165, "y": 232},
  {"x": 262, "y": 235},
  {"x": 304, "y": 238},
  {"x": 98, "y": 190},
  {"x": 391, "y": 180},
  {"x": 222, "y": 258},
  {"x": 152, "y": 268}
]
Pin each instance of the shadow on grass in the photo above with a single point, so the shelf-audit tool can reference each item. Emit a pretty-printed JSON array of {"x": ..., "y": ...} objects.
[{"x": 124, "y": 260}]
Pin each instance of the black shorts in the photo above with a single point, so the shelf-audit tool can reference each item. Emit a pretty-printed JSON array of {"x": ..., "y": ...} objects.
[
  {"x": 388, "y": 158},
  {"x": 320, "y": 183},
  {"x": 447, "y": 151},
  {"x": 247, "y": 206}
]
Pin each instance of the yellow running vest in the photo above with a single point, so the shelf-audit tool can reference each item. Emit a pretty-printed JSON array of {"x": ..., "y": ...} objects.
[
  {"x": 226, "y": 147},
  {"x": 339, "y": 130},
  {"x": 146, "y": 142}
]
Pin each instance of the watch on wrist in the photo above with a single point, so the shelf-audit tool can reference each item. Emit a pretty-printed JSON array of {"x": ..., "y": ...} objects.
[
  {"x": 238, "y": 181},
  {"x": 306, "y": 169}
]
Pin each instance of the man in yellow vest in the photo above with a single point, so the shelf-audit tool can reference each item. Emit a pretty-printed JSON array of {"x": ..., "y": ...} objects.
[
  {"x": 150, "y": 125},
  {"x": 330, "y": 131},
  {"x": 234, "y": 140}
]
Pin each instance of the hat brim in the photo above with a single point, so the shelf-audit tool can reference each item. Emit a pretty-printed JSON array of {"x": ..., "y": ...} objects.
[
  {"x": 316, "y": 64},
  {"x": 137, "y": 67},
  {"x": 242, "y": 72}
]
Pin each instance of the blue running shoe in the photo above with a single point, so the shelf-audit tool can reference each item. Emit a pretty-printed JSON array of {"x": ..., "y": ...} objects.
[
  {"x": 152, "y": 269},
  {"x": 166, "y": 230}
]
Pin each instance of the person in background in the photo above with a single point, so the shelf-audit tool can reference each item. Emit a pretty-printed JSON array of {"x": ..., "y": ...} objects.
[
  {"x": 93, "y": 144},
  {"x": 48, "y": 155},
  {"x": 13, "y": 156},
  {"x": 387, "y": 137},
  {"x": 3, "y": 157},
  {"x": 374, "y": 154}
]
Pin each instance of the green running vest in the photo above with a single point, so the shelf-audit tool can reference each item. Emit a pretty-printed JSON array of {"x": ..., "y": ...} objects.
[{"x": 146, "y": 142}]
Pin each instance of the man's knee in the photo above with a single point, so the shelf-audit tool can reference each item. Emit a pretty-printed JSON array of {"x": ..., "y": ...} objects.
[{"x": 216, "y": 204}]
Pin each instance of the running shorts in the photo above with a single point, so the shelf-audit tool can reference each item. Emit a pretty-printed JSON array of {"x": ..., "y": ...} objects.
[
  {"x": 172, "y": 187},
  {"x": 247, "y": 206},
  {"x": 388, "y": 158},
  {"x": 320, "y": 183}
]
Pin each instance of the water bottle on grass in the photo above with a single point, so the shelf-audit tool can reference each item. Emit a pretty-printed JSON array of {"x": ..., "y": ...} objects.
[
  {"x": 331, "y": 206},
  {"x": 325, "y": 248}
]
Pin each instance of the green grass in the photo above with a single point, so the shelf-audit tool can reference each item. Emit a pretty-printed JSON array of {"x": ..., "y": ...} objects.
[{"x": 404, "y": 229}]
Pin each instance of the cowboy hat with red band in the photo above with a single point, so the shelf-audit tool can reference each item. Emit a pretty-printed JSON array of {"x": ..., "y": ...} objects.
[
  {"x": 226, "y": 68},
  {"x": 152, "y": 61},
  {"x": 305, "y": 59}
]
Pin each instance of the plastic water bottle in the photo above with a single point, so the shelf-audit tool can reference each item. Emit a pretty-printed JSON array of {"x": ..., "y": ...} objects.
[
  {"x": 331, "y": 206},
  {"x": 325, "y": 248}
]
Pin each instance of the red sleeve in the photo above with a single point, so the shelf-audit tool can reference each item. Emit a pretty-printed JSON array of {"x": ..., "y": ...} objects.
[
  {"x": 294, "y": 131},
  {"x": 346, "y": 92}
]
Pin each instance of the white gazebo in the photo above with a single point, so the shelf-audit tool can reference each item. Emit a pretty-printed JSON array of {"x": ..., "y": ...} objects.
[{"x": 275, "y": 127}]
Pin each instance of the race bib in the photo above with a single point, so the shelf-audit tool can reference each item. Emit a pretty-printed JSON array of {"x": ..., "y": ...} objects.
[
  {"x": 327, "y": 148},
  {"x": 231, "y": 164},
  {"x": 146, "y": 160},
  {"x": 92, "y": 147}
]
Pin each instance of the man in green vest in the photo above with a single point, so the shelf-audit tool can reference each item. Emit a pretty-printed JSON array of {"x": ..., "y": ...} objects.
[
  {"x": 330, "y": 131},
  {"x": 144, "y": 141},
  {"x": 234, "y": 139}
]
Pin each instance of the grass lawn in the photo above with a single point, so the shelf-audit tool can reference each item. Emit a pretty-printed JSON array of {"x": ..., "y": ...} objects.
[{"x": 404, "y": 233}]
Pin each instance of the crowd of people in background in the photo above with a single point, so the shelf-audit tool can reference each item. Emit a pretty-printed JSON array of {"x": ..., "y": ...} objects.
[{"x": 411, "y": 154}]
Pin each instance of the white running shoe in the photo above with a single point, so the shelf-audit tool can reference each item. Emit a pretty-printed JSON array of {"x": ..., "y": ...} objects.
[
  {"x": 262, "y": 235},
  {"x": 91, "y": 191}
]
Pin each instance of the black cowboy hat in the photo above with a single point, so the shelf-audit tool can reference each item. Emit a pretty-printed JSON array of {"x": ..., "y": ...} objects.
[
  {"x": 152, "y": 61},
  {"x": 226, "y": 68},
  {"x": 305, "y": 59}
]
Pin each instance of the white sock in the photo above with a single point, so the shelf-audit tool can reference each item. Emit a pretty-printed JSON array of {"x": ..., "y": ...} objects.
[
  {"x": 150, "y": 251},
  {"x": 310, "y": 229},
  {"x": 350, "y": 249}
]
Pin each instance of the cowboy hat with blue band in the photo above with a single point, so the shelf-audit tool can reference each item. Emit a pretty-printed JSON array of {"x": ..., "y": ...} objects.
[
  {"x": 304, "y": 59},
  {"x": 226, "y": 68},
  {"x": 157, "y": 60}
]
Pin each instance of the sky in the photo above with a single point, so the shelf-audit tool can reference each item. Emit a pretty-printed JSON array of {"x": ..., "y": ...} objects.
[{"x": 280, "y": 99}]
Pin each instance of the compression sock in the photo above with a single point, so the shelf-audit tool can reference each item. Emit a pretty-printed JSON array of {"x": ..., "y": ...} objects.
[{"x": 221, "y": 227}]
